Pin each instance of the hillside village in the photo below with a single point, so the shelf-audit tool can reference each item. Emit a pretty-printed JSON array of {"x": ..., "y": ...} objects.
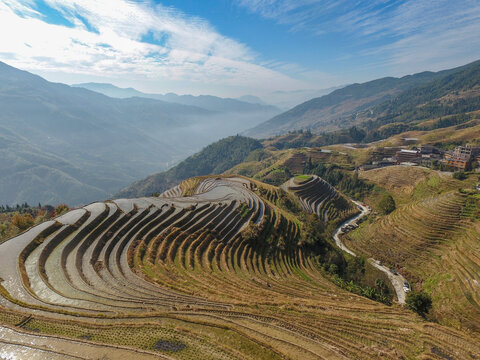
[{"x": 461, "y": 158}]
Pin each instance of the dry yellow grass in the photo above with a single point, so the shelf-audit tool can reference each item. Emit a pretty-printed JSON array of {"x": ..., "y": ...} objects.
[{"x": 407, "y": 183}]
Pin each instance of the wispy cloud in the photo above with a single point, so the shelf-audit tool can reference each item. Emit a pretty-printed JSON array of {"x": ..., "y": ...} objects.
[
  {"x": 405, "y": 35},
  {"x": 126, "y": 38},
  {"x": 320, "y": 16}
]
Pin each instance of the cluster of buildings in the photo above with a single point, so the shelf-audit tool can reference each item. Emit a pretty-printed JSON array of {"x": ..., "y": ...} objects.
[{"x": 460, "y": 159}]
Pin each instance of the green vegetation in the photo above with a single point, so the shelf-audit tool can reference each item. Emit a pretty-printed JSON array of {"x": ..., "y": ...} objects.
[
  {"x": 213, "y": 159},
  {"x": 277, "y": 176},
  {"x": 386, "y": 204},
  {"x": 15, "y": 219},
  {"x": 346, "y": 182},
  {"x": 459, "y": 175},
  {"x": 420, "y": 302},
  {"x": 302, "y": 177}
]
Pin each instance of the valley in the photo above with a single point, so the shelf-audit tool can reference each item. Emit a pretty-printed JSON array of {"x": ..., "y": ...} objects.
[
  {"x": 239, "y": 180},
  {"x": 347, "y": 227},
  {"x": 64, "y": 144}
]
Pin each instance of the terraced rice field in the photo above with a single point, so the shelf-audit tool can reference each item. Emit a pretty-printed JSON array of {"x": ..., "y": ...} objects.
[
  {"x": 436, "y": 244},
  {"x": 407, "y": 183},
  {"x": 319, "y": 197},
  {"x": 178, "y": 277}
]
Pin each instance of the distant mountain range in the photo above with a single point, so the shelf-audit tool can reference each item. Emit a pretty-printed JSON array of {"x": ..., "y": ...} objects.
[
  {"x": 249, "y": 104},
  {"x": 431, "y": 101},
  {"x": 66, "y": 144},
  {"x": 252, "y": 99},
  {"x": 346, "y": 107}
]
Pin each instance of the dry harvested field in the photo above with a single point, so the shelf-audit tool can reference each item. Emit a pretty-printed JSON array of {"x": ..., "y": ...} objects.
[
  {"x": 180, "y": 277},
  {"x": 407, "y": 183}
]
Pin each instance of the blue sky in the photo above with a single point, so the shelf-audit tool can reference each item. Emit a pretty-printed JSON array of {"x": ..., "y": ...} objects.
[{"x": 237, "y": 47}]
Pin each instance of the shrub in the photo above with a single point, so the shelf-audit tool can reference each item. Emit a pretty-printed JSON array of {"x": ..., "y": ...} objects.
[
  {"x": 61, "y": 209},
  {"x": 313, "y": 230},
  {"x": 287, "y": 202},
  {"x": 386, "y": 204},
  {"x": 355, "y": 268},
  {"x": 3, "y": 229},
  {"x": 22, "y": 222},
  {"x": 333, "y": 269},
  {"x": 420, "y": 302},
  {"x": 459, "y": 175}
]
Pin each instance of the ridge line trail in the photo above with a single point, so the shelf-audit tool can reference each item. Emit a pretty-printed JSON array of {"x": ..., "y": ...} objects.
[{"x": 396, "y": 280}]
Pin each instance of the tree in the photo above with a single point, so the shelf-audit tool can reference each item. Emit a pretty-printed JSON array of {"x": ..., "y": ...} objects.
[
  {"x": 313, "y": 230},
  {"x": 333, "y": 269},
  {"x": 22, "y": 222},
  {"x": 386, "y": 204},
  {"x": 459, "y": 175},
  {"x": 355, "y": 268},
  {"x": 251, "y": 233},
  {"x": 420, "y": 302}
]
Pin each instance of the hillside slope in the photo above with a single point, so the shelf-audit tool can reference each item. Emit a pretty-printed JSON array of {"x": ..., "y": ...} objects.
[
  {"x": 434, "y": 243},
  {"x": 353, "y": 104},
  {"x": 224, "y": 273},
  {"x": 454, "y": 93},
  {"x": 213, "y": 159},
  {"x": 28, "y": 173},
  {"x": 90, "y": 144}
]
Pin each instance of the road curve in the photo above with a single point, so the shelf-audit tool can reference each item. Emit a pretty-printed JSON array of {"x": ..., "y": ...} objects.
[{"x": 396, "y": 280}]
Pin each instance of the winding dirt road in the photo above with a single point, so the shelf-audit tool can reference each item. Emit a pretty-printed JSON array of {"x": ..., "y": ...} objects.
[{"x": 396, "y": 280}]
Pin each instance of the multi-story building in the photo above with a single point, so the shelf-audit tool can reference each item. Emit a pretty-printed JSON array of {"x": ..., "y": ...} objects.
[
  {"x": 460, "y": 159},
  {"x": 408, "y": 156}
]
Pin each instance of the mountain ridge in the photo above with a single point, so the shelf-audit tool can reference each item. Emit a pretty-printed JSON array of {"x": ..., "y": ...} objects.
[
  {"x": 93, "y": 142},
  {"x": 208, "y": 102},
  {"x": 338, "y": 109}
]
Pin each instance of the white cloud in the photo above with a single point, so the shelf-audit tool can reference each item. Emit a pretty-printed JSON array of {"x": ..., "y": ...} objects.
[
  {"x": 186, "y": 49},
  {"x": 433, "y": 35}
]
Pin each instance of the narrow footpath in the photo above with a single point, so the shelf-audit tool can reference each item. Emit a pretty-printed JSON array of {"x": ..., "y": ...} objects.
[{"x": 396, "y": 280}]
